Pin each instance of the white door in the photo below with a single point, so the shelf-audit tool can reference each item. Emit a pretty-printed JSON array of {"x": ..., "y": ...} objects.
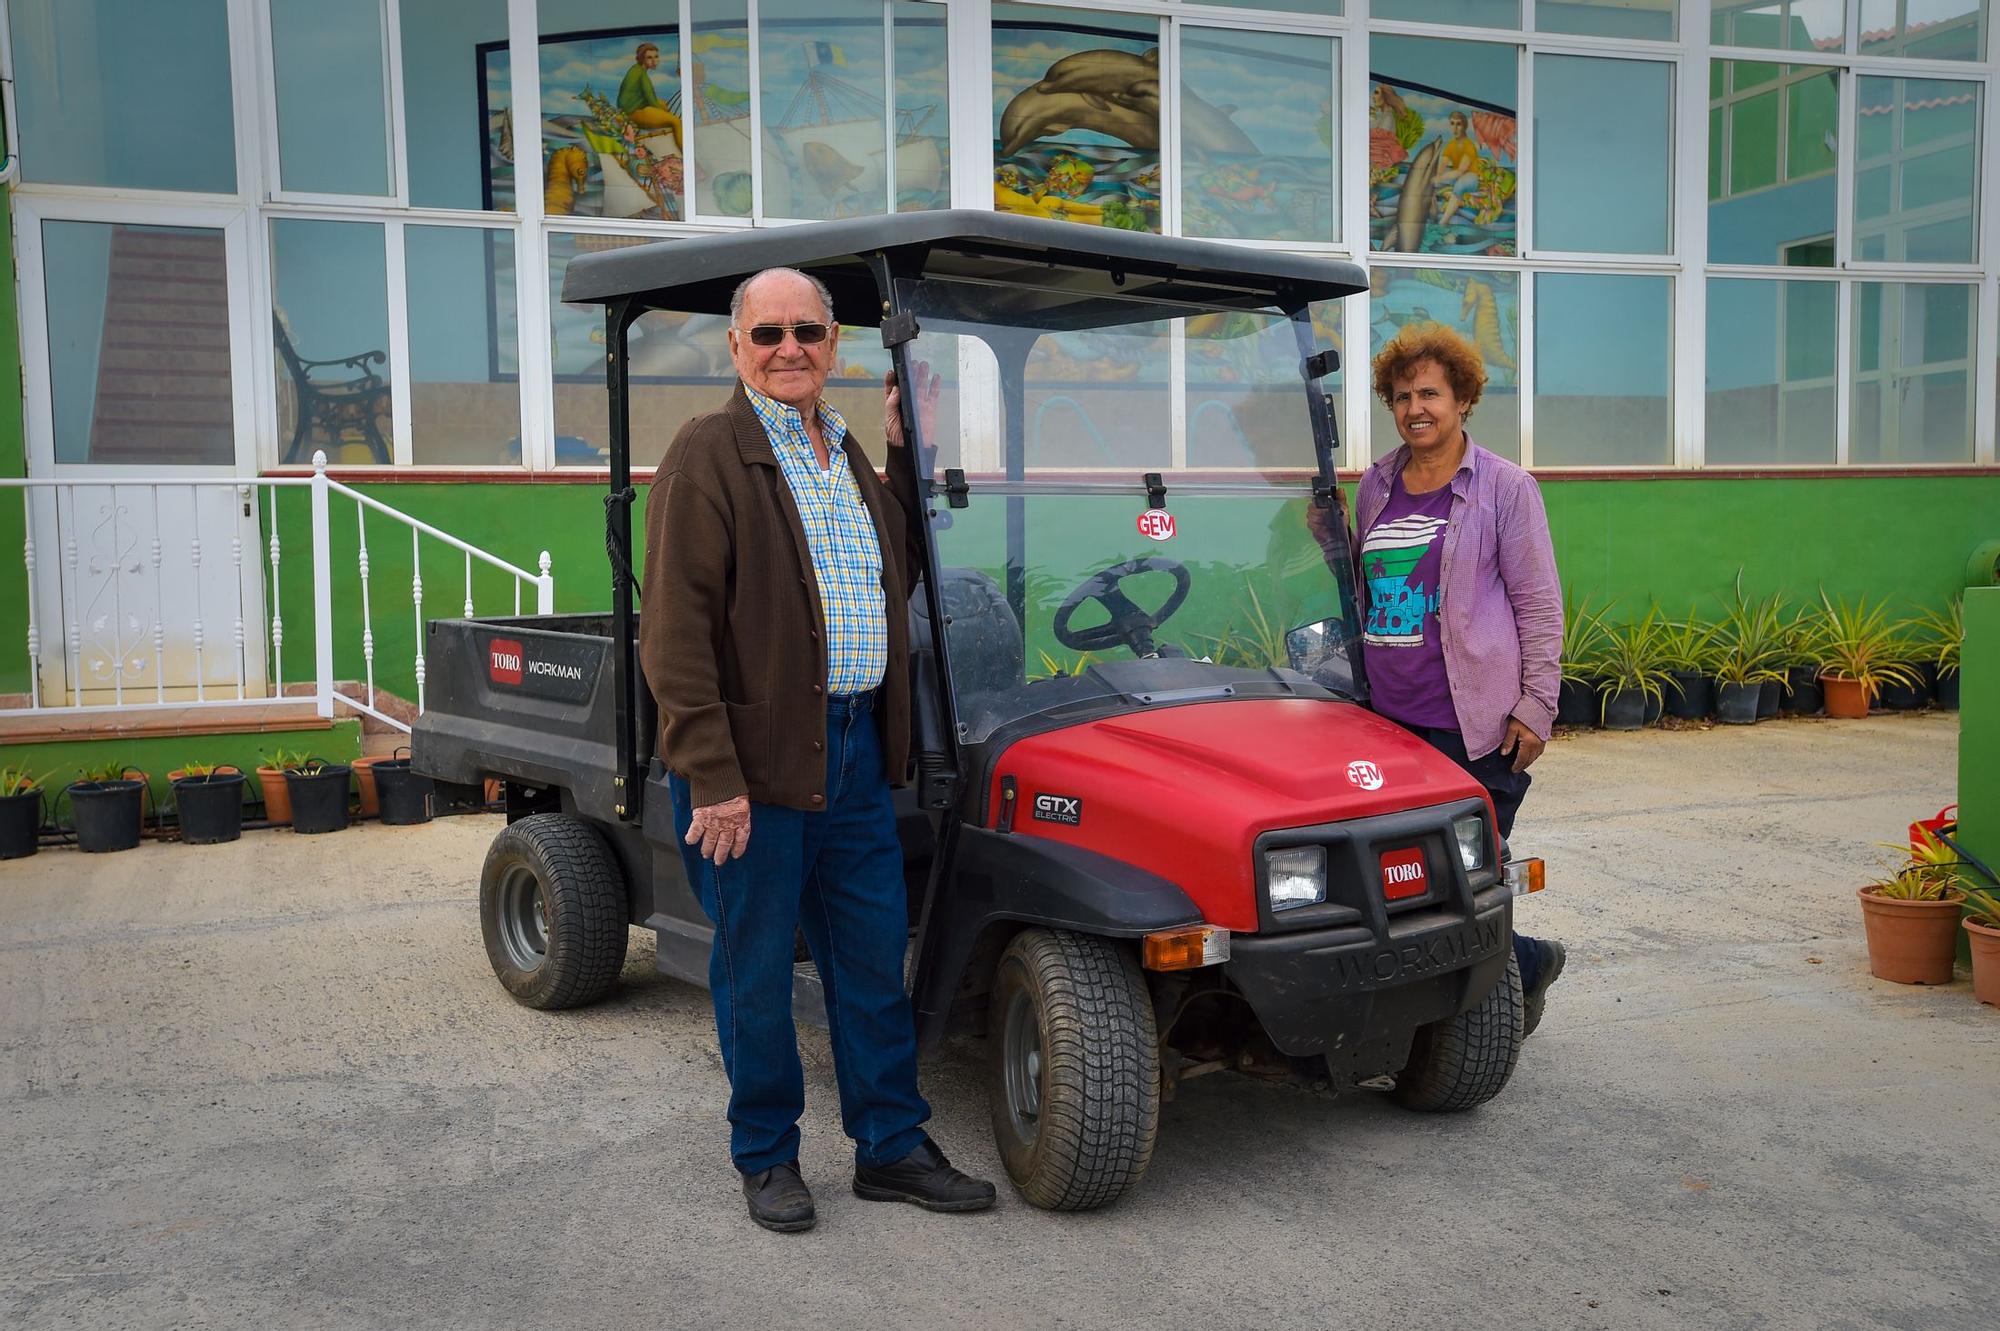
[{"x": 148, "y": 587}]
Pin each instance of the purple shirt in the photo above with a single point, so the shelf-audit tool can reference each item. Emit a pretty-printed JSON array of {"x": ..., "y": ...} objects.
[
  {"x": 1499, "y": 601},
  {"x": 1402, "y": 559}
]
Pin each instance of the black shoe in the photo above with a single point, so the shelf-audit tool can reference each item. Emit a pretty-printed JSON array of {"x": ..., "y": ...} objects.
[
  {"x": 779, "y": 1198},
  {"x": 1551, "y": 957},
  {"x": 925, "y": 1178}
]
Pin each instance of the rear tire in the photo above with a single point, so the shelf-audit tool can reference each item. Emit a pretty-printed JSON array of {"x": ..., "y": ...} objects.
[
  {"x": 552, "y": 908},
  {"x": 1464, "y": 1061},
  {"x": 1074, "y": 1069}
]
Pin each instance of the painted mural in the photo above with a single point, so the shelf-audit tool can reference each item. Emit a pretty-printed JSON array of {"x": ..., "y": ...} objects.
[
  {"x": 1077, "y": 123},
  {"x": 827, "y": 153},
  {"x": 1442, "y": 172},
  {"x": 1262, "y": 169}
]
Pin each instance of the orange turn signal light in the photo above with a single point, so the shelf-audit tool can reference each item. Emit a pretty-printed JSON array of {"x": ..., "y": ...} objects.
[
  {"x": 1526, "y": 875},
  {"x": 1186, "y": 949}
]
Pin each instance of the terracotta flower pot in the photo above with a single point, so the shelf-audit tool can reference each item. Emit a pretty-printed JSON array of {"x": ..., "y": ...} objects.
[
  {"x": 277, "y": 796},
  {"x": 1985, "y": 962},
  {"x": 364, "y": 777},
  {"x": 1845, "y": 697},
  {"x": 1910, "y": 942}
]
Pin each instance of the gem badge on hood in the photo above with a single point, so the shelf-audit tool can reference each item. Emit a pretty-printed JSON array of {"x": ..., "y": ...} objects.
[
  {"x": 1365, "y": 775},
  {"x": 1157, "y": 524}
]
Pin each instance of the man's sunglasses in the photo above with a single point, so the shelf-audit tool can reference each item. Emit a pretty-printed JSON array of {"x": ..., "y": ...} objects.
[{"x": 771, "y": 335}]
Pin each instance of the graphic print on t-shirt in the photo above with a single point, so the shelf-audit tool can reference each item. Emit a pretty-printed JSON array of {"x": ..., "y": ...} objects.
[{"x": 1398, "y": 600}]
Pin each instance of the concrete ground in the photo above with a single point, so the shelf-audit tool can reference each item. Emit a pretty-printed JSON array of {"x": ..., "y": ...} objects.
[{"x": 274, "y": 1084}]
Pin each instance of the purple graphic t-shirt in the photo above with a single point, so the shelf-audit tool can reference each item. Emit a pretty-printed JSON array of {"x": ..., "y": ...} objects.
[{"x": 1402, "y": 560}]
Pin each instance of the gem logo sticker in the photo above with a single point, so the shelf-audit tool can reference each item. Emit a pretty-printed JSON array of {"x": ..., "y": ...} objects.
[
  {"x": 1404, "y": 874},
  {"x": 1157, "y": 524},
  {"x": 1064, "y": 809},
  {"x": 503, "y": 661},
  {"x": 1365, "y": 775}
]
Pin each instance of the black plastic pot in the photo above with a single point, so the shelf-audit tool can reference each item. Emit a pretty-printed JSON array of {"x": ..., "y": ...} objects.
[
  {"x": 106, "y": 814},
  {"x": 1899, "y": 696},
  {"x": 1576, "y": 703},
  {"x": 405, "y": 796},
  {"x": 319, "y": 799},
  {"x": 1801, "y": 695},
  {"x": 1624, "y": 709},
  {"x": 1686, "y": 695},
  {"x": 20, "y": 824},
  {"x": 1947, "y": 692},
  {"x": 1736, "y": 704},
  {"x": 1767, "y": 700},
  {"x": 211, "y": 807}
]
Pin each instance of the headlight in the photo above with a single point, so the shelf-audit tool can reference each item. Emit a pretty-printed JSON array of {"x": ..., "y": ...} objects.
[
  {"x": 1297, "y": 876},
  {"x": 1470, "y": 829}
]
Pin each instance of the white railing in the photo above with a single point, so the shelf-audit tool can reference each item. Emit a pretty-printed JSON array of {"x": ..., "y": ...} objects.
[{"x": 130, "y": 640}]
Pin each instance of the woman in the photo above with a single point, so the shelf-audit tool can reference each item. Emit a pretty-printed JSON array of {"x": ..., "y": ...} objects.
[{"x": 1463, "y": 610}]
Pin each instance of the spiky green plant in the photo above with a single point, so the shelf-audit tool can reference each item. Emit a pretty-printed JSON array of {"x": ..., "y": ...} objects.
[
  {"x": 1943, "y": 634},
  {"x": 19, "y": 781},
  {"x": 1690, "y": 644},
  {"x": 1929, "y": 871},
  {"x": 1631, "y": 660},
  {"x": 1860, "y": 642},
  {"x": 108, "y": 771},
  {"x": 1583, "y": 638}
]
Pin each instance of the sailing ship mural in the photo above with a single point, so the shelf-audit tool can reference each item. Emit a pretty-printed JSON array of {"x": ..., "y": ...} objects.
[{"x": 828, "y": 147}]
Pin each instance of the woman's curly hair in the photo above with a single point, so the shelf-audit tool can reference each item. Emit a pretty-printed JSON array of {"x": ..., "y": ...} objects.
[{"x": 1461, "y": 362}]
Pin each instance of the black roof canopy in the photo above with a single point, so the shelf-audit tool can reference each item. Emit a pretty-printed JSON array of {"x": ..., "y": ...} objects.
[{"x": 1030, "y": 271}]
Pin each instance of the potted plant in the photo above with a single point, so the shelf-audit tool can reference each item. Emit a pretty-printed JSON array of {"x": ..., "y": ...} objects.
[
  {"x": 1689, "y": 651},
  {"x": 20, "y": 811},
  {"x": 1582, "y": 646},
  {"x": 271, "y": 782},
  {"x": 107, "y": 807},
  {"x": 318, "y": 791},
  {"x": 1858, "y": 643},
  {"x": 1799, "y": 693},
  {"x": 1944, "y": 631},
  {"x": 1910, "y": 649},
  {"x": 406, "y": 795},
  {"x": 1911, "y": 917},
  {"x": 1982, "y": 926},
  {"x": 1753, "y": 635},
  {"x": 209, "y": 800},
  {"x": 1632, "y": 672}
]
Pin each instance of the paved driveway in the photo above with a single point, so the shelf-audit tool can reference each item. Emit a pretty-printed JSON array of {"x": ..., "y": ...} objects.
[{"x": 274, "y": 1085}]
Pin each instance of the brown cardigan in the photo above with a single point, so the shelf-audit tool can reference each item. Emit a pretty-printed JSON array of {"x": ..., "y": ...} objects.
[{"x": 730, "y": 629}]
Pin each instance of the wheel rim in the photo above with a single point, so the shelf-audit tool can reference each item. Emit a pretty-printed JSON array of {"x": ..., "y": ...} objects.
[
  {"x": 1021, "y": 1068},
  {"x": 524, "y": 918}
]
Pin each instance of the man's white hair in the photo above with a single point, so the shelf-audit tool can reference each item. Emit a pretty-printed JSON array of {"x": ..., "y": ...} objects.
[{"x": 743, "y": 289}]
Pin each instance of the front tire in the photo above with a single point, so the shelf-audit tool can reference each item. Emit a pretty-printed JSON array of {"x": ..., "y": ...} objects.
[
  {"x": 1074, "y": 1069},
  {"x": 552, "y": 908},
  {"x": 1464, "y": 1061}
]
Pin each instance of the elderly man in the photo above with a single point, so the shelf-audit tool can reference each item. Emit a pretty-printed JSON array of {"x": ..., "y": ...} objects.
[{"x": 775, "y": 638}]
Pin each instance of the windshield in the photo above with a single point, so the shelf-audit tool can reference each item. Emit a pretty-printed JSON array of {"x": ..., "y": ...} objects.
[{"x": 1053, "y": 567}]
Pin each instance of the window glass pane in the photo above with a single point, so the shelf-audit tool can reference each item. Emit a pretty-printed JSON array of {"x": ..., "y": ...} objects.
[
  {"x": 1603, "y": 370},
  {"x": 142, "y": 375},
  {"x": 1244, "y": 400},
  {"x": 611, "y": 109},
  {"x": 1912, "y": 373},
  {"x": 1264, "y": 170},
  {"x": 922, "y": 161},
  {"x": 333, "y": 120},
  {"x": 1602, "y": 179},
  {"x": 719, "y": 131},
  {"x": 1916, "y": 170},
  {"x": 1928, "y": 29},
  {"x": 1784, "y": 25},
  {"x": 463, "y": 407},
  {"x": 1321, "y": 7},
  {"x": 456, "y": 87},
  {"x": 88, "y": 116},
  {"x": 1771, "y": 361},
  {"x": 1650, "y": 19},
  {"x": 826, "y": 134},
  {"x": 1466, "y": 13},
  {"x": 330, "y": 281},
  {"x": 1076, "y": 116},
  {"x": 1485, "y": 308},
  {"x": 1771, "y": 196},
  {"x": 1442, "y": 173}
]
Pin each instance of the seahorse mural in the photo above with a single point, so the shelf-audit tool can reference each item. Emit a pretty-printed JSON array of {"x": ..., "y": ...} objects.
[{"x": 1484, "y": 311}]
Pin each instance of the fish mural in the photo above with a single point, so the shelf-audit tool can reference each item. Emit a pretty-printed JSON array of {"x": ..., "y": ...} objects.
[{"x": 1442, "y": 171}]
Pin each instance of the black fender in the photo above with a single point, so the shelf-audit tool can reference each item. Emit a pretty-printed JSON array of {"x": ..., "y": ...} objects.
[{"x": 1001, "y": 880}]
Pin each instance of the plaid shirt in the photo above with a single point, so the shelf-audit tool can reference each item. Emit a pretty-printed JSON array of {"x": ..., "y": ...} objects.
[{"x": 840, "y": 535}]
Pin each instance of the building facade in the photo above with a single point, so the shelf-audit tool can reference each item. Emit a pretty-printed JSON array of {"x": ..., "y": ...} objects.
[{"x": 1734, "y": 266}]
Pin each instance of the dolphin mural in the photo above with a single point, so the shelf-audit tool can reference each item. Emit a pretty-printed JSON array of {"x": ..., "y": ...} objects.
[
  {"x": 1117, "y": 94},
  {"x": 1413, "y": 206}
]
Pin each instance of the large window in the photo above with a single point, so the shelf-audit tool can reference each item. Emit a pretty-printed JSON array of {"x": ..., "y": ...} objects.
[
  {"x": 1259, "y": 160},
  {"x": 1603, "y": 154},
  {"x": 331, "y": 74},
  {"x": 457, "y": 93},
  {"x": 1604, "y": 358},
  {"x": 463, "y": 409},
  {"x": 1772, "y": 358}
]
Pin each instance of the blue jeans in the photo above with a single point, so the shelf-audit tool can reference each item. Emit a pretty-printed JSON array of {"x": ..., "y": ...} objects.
[{"x": 838, "y": 874}]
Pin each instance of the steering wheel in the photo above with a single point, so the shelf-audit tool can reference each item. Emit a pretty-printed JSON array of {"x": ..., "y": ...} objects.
[{"x": 1129, "y": 625}]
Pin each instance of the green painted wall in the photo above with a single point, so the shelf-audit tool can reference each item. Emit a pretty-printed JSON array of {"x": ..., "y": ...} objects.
[{"x": 61, "y": 761}]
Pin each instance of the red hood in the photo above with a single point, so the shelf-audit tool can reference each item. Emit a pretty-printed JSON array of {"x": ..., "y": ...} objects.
[{"x": 1184, "y": 792}]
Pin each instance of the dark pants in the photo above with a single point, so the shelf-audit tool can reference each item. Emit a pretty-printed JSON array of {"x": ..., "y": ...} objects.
[
  {"x": 838, "y": 875},
  {"x": 1506, "y": 788}
]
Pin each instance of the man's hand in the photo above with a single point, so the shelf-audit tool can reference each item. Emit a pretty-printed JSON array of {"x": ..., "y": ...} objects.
[
  {"x": 722, "y": 829},
  {"x": 1523, "y": 744},
  {"x": 928, "y": 386}
]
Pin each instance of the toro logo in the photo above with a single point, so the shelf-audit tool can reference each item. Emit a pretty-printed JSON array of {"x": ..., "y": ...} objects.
[
  {"x": 1365, "y": 775},
  {"x": 503, "y": 661},
  {"x": 1157, "y": 524},
  {"x": 1404, "y": 873},
  {"x": 1064, "y": 809}
]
